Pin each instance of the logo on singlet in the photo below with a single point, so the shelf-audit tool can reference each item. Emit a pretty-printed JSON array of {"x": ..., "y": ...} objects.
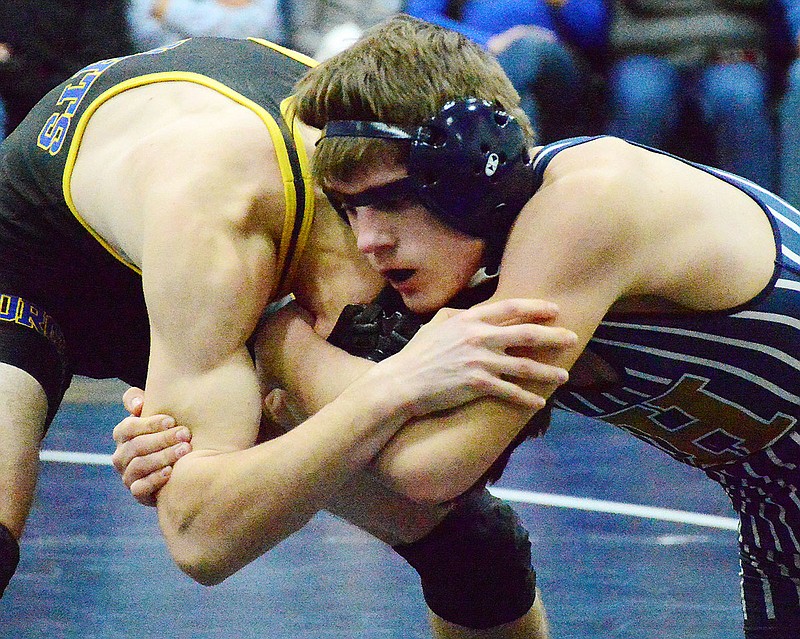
[
  {"x": 22, "y": 313},
  {"x": 54, "y": 132},
  {"x": 52, "y": 136}
]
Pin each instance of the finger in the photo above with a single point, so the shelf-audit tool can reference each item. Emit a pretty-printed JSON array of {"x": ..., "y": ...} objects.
[
  {"x": 444, "y": 314},
  {"x": 146, "y": 489},
  {"x": 149, "y": 444},
  {"x": 133, "y": 400},
  {"x": 131, "y": 427},
  {"x": 142, "y": 466},
  {"x": 530, "y": 336},
  {"x": 531, "y": 370},
  {"x": 509, "y": 391}
]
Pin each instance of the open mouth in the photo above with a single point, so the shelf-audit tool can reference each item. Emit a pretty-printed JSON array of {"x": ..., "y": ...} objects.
[{"x": 398, "y": 275}]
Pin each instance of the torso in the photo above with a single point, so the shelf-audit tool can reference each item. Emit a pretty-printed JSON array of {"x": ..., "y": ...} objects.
[{"x": 709, "y": 373}]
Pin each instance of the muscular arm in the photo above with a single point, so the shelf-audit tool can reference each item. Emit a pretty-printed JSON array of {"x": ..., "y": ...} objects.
[
  {"x": 314, "y": 371},
  {"x": 187, "y": 195},
  {"x": 207, "y": 272}
]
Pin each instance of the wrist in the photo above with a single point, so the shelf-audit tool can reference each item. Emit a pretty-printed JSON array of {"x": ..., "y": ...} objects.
[
  {"x": 378, "y": 400},
  {"x": 388, "y": 393}
]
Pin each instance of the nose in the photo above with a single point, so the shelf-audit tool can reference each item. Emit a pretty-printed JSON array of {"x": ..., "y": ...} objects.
[{"x": 373, "y": 231}]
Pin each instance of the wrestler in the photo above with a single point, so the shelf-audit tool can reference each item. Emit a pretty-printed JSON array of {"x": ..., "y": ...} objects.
[{"x": 681, "y": 281}]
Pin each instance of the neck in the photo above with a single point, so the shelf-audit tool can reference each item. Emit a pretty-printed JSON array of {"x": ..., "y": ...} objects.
[{"x": 332, "y": 272}]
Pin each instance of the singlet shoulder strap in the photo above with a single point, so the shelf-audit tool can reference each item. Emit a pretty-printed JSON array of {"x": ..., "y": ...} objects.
[{"x": 548, "y": 152}]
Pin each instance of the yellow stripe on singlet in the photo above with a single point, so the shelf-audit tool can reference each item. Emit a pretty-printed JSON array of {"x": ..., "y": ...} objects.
[
  {"x": 287, "y": 111},
  {"x": 289, "y": 53},
  {"x": 290, "y": 196}
]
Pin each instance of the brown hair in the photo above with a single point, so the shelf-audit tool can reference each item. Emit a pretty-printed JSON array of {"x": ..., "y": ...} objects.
[{"x": 402, "y": 71}]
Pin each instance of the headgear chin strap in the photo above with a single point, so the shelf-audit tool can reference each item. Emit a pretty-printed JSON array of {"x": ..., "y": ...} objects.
[{"x": 469, "y": 165}]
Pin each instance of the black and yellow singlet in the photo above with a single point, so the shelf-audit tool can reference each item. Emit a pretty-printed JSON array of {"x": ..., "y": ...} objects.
[{"x": 58, "y": 277}]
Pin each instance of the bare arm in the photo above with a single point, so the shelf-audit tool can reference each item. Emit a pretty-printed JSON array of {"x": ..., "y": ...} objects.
[
  {"x": 315, "y": 371},
  {"x": 207, "y": 273}
]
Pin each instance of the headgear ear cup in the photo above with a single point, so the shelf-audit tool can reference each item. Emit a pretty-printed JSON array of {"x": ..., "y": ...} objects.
[{"x": 472, "y": 167}]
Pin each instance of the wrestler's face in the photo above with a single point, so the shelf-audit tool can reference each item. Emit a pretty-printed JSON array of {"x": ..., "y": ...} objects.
[{"x": 426, "y": 261}]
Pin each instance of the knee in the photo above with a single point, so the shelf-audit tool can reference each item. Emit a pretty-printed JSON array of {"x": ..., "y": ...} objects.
[{"x": 475, "y": 567}]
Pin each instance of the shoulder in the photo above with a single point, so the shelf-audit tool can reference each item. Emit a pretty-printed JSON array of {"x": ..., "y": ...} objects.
[
  {"x": 591, "y": 177},
  {"x": 164, "y": 154},
  {"x": 599, "y": 211},
  {"x": 185, "y": 132},
  {"x": 608, "y": 171}
]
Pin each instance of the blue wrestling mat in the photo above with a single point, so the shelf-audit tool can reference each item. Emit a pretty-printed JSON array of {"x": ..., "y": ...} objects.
[{"x": 628, "y": 544}]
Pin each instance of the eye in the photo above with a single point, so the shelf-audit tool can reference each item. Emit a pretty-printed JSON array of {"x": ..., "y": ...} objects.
[{"x": 396, "y": 203}]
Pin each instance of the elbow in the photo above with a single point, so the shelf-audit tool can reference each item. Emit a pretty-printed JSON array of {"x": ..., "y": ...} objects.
[
  {"x": 200, "y": 562},
  {"x": 207, "y": 563},
  {"x": 209, "y": 552},
  {"x": 200, "y": 549},
  {"x": 432, "y": 486},
  {"x": 427, "y": 477}
]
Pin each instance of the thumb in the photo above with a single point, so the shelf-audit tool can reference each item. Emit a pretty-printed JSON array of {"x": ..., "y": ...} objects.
[{"x": 133, "y": 400}]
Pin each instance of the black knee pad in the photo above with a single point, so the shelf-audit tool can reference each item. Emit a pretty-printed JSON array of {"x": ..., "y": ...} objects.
[
  {"x": 475, "y": 566},
  {"x": 9, "y": 557}
]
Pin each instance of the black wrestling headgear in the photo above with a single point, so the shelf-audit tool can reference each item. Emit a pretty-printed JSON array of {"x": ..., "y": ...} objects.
[{"x": 469, "y": 165}]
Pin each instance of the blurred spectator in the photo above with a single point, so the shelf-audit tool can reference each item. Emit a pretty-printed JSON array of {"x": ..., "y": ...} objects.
[
  {"x": 49, "y": 40},
  {"x": 543, "y": 46},
  {"x": 155, "y": 23},
  {"x": 789, "y": 113},
  {"x": 321, "y": 28},
  {"x": 672, "y": 60}
]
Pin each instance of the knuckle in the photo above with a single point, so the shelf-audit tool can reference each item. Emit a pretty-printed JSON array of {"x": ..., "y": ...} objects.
[
  {"x": 477, "y": 379},
  {"x": 121, "y": 432}
]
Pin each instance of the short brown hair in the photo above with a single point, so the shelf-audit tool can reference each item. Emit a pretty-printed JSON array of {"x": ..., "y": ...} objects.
[{"x": 402, "y": 71}]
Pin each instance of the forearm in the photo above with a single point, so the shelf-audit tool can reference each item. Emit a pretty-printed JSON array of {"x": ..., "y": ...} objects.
[
  {"x": 291, "y": 355},
  {"x": 436, "y": 459},
  {"x": 219, "y": 511}
]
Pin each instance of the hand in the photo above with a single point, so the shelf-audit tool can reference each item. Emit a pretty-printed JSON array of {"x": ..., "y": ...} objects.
[
  {"x": 147, "y": 448},
  {"x": 462, "y": 355}
]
